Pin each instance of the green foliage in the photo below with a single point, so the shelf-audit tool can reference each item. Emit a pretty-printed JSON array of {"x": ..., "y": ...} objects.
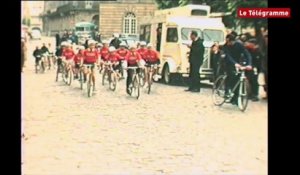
[{"x": 224, "y": 6}]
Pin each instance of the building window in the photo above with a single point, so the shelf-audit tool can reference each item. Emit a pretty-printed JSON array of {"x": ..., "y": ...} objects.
[
  {"x": 130, "y": 21},
  {"x": 88, "y": 4}
]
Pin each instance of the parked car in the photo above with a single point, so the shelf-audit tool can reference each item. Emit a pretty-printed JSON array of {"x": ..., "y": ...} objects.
[{"x": 36, "y": 34}]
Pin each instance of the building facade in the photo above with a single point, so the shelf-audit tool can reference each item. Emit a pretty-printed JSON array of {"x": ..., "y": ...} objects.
[
  {"x": 110, "y": 16},
  {"x": 32, "y": 10},
  {"x": 123, "y": 16},
  {"x": 63, "y": 15}
]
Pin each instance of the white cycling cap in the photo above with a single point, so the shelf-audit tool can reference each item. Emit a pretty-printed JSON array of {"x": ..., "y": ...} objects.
[
  {"x": 143, "y": 43},
  {"x": 111, "y": 49}
]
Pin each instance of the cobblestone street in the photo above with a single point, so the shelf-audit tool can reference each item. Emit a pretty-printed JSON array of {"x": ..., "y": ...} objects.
[{"x": 167, "y": 132}]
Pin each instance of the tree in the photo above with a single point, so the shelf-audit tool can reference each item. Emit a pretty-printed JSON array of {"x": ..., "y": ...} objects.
[{"x": 224, "y": 6}]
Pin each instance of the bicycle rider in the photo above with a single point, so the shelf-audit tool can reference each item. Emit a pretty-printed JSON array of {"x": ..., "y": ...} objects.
[
  {"x": 77, "y": 60},
  {"x": 90, "y": 57},
  {"x": 114, "y": 58},
  {"x": 152, "y": 57},
  {"x": 122, "y": 51},
  {"x": 104, "y": 52},
  {"x": 68, "y": 55},
  {"x": 132, "y": 58},
  {"x": 236, "y": 57}
]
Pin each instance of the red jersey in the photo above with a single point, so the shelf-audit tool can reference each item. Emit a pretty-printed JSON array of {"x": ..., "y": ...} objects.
[
  {"x": 68, "y": 53},
  {"x": 90, "y": 56},
  {"x": 142, "y": 52},
  {"x": 104, "y": 52},
  {"x": 122, "y": 53},
  {"x": 152, "y": 56},
  {"x": 113, "y": 57},
  {"x": 78, "y": 58},
  {"x": 132, "y": 58}
]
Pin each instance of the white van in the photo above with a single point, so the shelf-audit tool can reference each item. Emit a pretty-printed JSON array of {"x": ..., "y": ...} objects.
[{"x": 170, "y": 34}]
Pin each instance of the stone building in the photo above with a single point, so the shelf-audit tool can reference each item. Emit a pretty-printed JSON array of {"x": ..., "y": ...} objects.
[
  {"x": 123, "y": 16},
  {"x": 31, "y": 10},
  {"x": 113, "y": 16},
  {"x": 63, "y": 15}
]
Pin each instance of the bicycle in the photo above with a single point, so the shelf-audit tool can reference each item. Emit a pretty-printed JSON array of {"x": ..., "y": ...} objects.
[
  {"x": 105, "y": 68},
  {"x": 89, "y": 74},
  {"x": 60, "y": 69},
  {"x": 150, "y": 73},
  {"x": 68, "y": 73},
  {"x": 40, "y": 65},
  {"x": 134, "y": 86},
  {"x": 219, "y": 90}
]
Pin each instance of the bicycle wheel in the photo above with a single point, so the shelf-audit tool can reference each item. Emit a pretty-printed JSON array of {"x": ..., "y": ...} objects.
[
  {"x": 113, "y": 81},
  {"x": 103, "y": 77},
  {"x": 149, "y": 82},
  {"x": 142, "y": 78},
  {"x": 243, "y": 95},
  {"x": 135, "y": 87},
  {"x": 90, "y": 87},
  {"x": 218, "y": 91},
  {"x": 81, "y": 79},
  {"x": 69, "y": 77}
]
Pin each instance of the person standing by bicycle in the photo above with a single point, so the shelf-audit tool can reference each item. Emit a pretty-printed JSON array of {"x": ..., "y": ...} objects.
[
  {"x": 236, "y": 57},
  {"x": 152, "y": 57},
  {"x": 132, "y": 58},
  {"x": 91, "y": 57},
  {"x": 122, "y": 51}
]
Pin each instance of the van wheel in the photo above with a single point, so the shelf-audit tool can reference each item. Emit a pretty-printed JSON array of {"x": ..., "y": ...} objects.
[{"x": 166, "y": 75}]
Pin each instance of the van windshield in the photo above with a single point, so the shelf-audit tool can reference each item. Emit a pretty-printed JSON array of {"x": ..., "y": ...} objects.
[
  {"x": 79, "y": 28},
  {"x": 213, "y": 35},
  {"x": 186, "y": 32},
  {"x": 206, "y": 34}
]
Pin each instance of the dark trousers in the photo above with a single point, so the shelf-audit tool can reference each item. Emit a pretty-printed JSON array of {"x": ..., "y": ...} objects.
[
  {"x": 129, "y": 76},
  {"x": 194, "y": 77},
  {"x": 231, "y": 81},
  {"x": 253, "y": 81}
]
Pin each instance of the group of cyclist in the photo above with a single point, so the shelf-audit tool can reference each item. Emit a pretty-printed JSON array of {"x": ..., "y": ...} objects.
[
  {"x": 238, "y": 51},
  {"x": 45, "y": 54},
  {"x": 98, "y": 54}
]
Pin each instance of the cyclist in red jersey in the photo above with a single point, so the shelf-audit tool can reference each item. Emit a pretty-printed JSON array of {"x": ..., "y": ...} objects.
[
  {"x": 152, "y": 57},
  {"x": 122, "y": 51},
  {"x": 91, "y": 57},
  {"x": 114, "y": 58},
  {"x": 78, "y": 59},
  {"x": 132, "y": 58},
  {"x": 142, "y": 51},
  {"x": 103, "y": 52},
  {"x": 68, "y": 55}
]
